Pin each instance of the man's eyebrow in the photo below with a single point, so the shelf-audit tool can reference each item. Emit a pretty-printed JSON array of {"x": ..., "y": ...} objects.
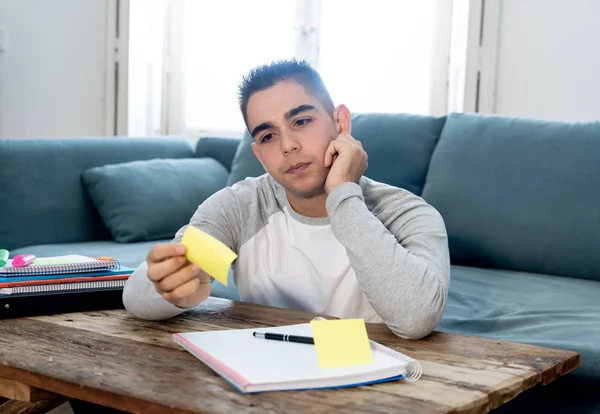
[
  {"x": 261, "y": 127},
  {"x": 297, "y": 110}
]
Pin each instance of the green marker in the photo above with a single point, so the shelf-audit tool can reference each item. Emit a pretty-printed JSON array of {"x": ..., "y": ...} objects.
[{"x": 3, "y": 257}]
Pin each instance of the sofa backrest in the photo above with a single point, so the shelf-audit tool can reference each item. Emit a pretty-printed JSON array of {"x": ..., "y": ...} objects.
[
  {"x": 519, "y": 194},
  {"x": 399, "y": 148},
  {"x": 42, "y": 199},
  {"x": 221, "y": 149}
]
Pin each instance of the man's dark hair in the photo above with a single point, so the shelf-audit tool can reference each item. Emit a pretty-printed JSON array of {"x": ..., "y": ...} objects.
[{"x": 264, "y": 76}]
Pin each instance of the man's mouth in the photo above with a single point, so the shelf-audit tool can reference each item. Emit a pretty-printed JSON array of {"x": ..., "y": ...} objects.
[{"x": 298, "y": 167}]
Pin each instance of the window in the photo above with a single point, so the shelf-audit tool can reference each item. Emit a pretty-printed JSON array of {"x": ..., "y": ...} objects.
[
  {"x": 222, "y": 40},
  {"x": 377, "y": 55},
  {"x": 374, "y": 55}
]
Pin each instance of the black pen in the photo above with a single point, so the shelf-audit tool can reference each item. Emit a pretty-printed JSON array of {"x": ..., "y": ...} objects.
[{"x": 285, "y": 337}]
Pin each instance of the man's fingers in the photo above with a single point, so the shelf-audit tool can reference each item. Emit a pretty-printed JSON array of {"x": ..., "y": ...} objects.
[
  {"x": 182, "y": 291},
  {"x": 159, "y": 270},
  {"x": 161, "y": 252},
  {"x": 337, "y": 146},
  {"x": 330, "y": 152},
  {"x": 350, "y": 139},
  {"x": 182, "y": 276}
]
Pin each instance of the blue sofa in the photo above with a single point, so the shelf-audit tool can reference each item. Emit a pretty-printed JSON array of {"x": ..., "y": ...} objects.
[{"x": 520, "y": 199}]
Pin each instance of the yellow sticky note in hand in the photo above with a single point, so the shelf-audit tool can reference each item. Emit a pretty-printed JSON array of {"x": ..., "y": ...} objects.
[
  {"x": 341, "y": 343},
  {"x": 208, "y": 253}
]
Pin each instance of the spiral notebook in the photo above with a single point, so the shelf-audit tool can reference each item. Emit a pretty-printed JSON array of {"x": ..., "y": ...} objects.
[
  {"x": 59, "y": 287},
  {"x": 79, "y": 283},
  {"x": 253, "y": 365},
  {"x": 60, "y": 265},
  {"x": 9, "y": 281}
]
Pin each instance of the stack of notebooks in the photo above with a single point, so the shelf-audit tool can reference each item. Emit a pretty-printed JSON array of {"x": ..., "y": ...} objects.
[{"x": 49, "y": 284}]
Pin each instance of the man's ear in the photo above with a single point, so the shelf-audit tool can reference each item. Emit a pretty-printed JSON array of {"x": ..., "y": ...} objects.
[
  {"x": 256, "y": 154},
  {"x": 343, "y": 119}
]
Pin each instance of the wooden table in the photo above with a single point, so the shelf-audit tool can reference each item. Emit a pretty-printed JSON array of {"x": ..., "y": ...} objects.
[{"x": 113, "y": 359}]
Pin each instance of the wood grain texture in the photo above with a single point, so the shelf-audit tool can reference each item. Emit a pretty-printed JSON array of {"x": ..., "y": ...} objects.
[
  {"x": 14, "y": 390},
  {"x": 25, "y": 407},
  {"x": 114, "y": 359}
]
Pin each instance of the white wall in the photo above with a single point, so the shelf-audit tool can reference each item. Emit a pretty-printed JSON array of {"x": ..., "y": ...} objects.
[
  {"x": 549, "y": 59},
  {"x": 53, "y": 74}
]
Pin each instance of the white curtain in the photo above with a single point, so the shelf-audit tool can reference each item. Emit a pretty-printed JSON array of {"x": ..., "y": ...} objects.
[{"x": 146, "y": 67}]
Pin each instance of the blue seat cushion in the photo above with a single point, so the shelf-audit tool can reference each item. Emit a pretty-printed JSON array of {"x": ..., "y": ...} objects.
[
  {"x": 128, "y": 254},
  {"x": 551, "y": 311}
]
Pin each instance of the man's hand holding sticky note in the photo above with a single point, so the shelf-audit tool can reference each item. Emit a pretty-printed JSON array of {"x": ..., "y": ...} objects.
[{"x": 208, "y": 253}]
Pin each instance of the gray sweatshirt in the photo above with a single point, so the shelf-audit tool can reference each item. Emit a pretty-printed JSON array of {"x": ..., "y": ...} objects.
[{"x": 381, "y": 255}]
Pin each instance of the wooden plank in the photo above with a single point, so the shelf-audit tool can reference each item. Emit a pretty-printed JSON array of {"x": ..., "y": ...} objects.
[
  {"x": 213, "y": 314},
  {"x": 14, "y": 390},
  {"x": 24, "y": 407},
  {"x": 449, "y": 347},
  {"x": 114, "y": 359}
]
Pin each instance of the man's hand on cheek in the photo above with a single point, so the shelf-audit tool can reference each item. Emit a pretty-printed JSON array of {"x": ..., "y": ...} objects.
[{"x": 347, "y": 159}]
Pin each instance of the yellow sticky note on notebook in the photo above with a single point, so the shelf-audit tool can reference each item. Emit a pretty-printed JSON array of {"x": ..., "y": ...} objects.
[
  {"x": 341, "y": 343},
  {"x": 208, "y": 253}
]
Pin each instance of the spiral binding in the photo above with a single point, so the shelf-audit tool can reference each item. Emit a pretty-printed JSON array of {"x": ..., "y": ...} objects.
[
  {"x": 414, "y": 370},
  {"x": 58, "y": 269},
  {"x": 53, "y": 287}
]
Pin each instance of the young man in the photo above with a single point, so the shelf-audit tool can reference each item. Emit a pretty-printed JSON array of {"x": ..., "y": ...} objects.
[{"x": 313, "y": 233}]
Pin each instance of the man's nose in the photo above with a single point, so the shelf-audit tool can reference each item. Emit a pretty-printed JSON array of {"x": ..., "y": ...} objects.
[{"x": 289, "y": 143}]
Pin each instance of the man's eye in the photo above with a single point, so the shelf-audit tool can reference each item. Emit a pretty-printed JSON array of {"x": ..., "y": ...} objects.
[
  {"x": 266, "y": 138},
  {"x": 303, "y": 121}
]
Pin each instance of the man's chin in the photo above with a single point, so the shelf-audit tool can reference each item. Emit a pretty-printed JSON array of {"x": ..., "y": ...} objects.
[
  {"x": 303, "y": 187},
  {"x": 315, "y": 192},
  {"x": 305, "y": 191}
]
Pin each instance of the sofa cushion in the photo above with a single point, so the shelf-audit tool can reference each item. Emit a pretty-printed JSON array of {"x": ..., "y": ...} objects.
[
  {"x": 128, "y": 254},
  {"x": 519, "y": 194},
  {"x": 42, "y": 199},
  {"x": 399, "y": 148},
  {"x": 151, "y": 200},
  {"x": 545, "y": 310}
]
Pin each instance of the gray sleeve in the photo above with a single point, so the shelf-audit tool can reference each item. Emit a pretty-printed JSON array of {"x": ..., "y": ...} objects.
[
  {"x": 218, "y": 216},
  {"x": 397, "y": 245}
]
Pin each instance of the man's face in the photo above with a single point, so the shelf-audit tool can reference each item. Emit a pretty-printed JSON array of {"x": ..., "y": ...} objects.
[{"x": 291, "y": 131}]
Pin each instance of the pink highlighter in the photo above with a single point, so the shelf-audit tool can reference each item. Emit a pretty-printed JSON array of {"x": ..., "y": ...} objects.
[{"x": 22, "y": 260}]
